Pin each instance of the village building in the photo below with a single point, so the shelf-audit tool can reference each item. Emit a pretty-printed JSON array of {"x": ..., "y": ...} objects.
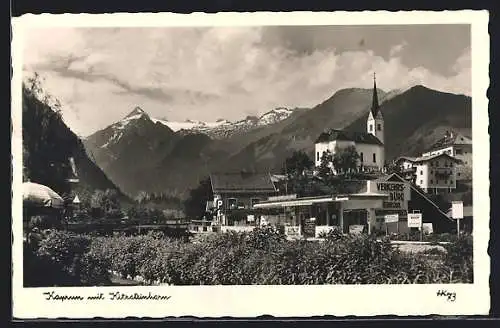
[
  {"x": 369, "y": 144},
  {"x": 364, "y": 210},
  {"x": 433, "y": 173},
  {"x": 458, "y": 146},
  {"x": 235, "y": 194}
]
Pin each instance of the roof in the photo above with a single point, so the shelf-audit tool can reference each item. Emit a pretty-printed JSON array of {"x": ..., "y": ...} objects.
[
  {"x": 357, "y": 137},
  {"x": 450, "y": 139},
  {"x": 375, "y": 109},
  {"x": 242, "y": 182},
  {"x": 38, "y": 195},
  {"x": 426, "y": 158},
  {"x": 415, "y": 188},
  {"x": 406, "y": 158}
]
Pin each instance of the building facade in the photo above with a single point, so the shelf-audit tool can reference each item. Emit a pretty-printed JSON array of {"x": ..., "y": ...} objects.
[
  {"x": 433, "y": 173},
  {"x": 369, "y": 145},
  {"x": 458, "y": 146},
  {"x": 235, "y": 194}
]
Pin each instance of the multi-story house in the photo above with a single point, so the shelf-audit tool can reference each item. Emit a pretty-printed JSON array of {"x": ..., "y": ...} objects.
[
  {"x": 433, "y": 173},
  {"x": 458, "y": 146},
  {"x": 236, "y": 193}
]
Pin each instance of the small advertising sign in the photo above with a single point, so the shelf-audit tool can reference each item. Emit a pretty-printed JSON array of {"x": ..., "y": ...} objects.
[
  {"x": 457, "y": 210},
  {"x": 356, "y": 229},
  {"x": 250, "y": 218},
  {"x": 390, "y": 218},
  {"x": 414, "y": 220},
  {"x": 310, "y": 228},
  {"x": 292, "y": 231}
]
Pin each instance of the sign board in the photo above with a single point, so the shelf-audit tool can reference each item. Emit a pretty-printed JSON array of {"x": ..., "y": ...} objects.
[
  {"x": 398, "y": 194},
  {"x": 414, "y": 220},
  {"x": 250, "y": 218},
  {"x": 356, "y": 229},
  {"x": 389, "y": 218},
  {"x": 457, "y": 209},
  {"x": 427, "y": 228},
  {"x": 283, "y": 197},
  {"x": 310, "y": 228},
  {"x": 293, "y": 231}
]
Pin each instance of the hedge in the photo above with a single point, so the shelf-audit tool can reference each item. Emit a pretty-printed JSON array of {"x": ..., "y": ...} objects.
[{"x": 262, "y": 256}]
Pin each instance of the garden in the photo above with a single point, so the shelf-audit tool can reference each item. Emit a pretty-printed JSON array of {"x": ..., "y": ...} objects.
[{"x": 263, "y": 256}]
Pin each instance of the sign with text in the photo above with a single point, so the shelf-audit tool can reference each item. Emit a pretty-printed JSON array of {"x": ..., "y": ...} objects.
[
  {"x": 398, "y": 194},
  {"x": 414, "y": 220},
  {"x": 310, "y": 227},
  {"x": 356, "y": 229},
  {"x": 390, "y": 218},
  {"x": 292, "y": 231}
]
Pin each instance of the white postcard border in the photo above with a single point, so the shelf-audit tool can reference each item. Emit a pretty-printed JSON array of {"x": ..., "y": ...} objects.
[{"x": 281, "y": 301}]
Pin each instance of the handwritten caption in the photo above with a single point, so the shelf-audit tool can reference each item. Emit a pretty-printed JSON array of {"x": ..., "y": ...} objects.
[
  {"x": 450, "y": 296},
  {"x": 112, "y": 296}
]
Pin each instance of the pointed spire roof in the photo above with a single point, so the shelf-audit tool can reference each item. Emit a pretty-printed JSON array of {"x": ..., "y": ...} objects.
[{"x": 375, "y": 105}]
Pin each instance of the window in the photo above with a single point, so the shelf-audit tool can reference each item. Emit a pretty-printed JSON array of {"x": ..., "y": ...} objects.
[
  {"x": 421, "y": 182},
  {"x": 451, "y": 181},
  {"x": 458, "y": 174},
  {"x": 361, "y": 156},
  {"x": 374, "y": 158},
  {"x": 421, "y": 172},
  {"x": 232, "y": 203},
  {"x": 432, "y": 181},
  {"x": 371, "y": 127},
  {"x": 317, "y": 156},
  {"x": 379, "y": 127}
]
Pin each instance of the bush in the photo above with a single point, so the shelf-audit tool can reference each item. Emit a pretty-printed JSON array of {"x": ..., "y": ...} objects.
[{"x": 63, "y": 259}]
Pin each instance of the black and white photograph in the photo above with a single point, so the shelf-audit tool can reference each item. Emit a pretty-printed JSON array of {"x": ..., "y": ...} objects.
[{"x": 241, "y": 153}]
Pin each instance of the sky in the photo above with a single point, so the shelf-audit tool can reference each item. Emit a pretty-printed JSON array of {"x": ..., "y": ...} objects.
[{"x": 206, "y": 73}]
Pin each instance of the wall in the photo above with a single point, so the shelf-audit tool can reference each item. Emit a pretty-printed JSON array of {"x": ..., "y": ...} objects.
[
  {"x": 375, "y": 122},
  {"x": 422, "y": 175},
  {"x": 367, "y": 149}
]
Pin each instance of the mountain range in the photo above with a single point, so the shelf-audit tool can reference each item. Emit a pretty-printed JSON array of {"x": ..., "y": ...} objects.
[{"x": 149, "y": 154}]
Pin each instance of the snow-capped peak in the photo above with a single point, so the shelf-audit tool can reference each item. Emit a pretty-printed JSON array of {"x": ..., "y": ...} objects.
[{"x": 137, "y": 112}]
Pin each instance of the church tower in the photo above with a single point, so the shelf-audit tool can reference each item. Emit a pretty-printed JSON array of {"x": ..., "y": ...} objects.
[{"x": 375, "y": 122}]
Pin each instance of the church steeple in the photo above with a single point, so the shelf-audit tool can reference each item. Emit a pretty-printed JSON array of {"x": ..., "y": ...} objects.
[{"x": 375, "y": 105}]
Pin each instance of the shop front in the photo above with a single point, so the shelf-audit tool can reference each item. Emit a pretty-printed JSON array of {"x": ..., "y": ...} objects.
[{"x": 348, "y": 213}]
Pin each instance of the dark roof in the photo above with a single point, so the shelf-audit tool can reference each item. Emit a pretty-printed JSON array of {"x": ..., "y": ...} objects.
[
  {"x": 358, "y": 137},
  {"x": 450, "y": 139},
  {"x": 242, "y": 182},
  {"x": 375, "y": 109}
]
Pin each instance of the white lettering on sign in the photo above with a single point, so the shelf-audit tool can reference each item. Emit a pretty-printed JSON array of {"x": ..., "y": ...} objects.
[{"x": 414, "y": 220}]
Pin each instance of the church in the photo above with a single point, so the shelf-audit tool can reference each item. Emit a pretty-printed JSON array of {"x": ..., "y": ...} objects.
[{"x": 369, "y": 145}]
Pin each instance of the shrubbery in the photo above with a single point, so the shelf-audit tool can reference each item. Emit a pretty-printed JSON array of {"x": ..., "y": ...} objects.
[
  {"x": 262, "y": 256},
  {"x": 58, "y": 258}
]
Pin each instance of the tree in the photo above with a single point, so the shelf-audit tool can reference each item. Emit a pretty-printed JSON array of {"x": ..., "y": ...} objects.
[
  {"x": 195, "y": 204},
  {"x": 105, "y": 203},
  {"x": 297, "y": 164},
  {"x": 325, "y": 168},
  {"x": 345, "y": 160}
]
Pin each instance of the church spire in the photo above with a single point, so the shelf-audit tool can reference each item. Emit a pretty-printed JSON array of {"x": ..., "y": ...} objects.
[{"x": 375, "y": 105}]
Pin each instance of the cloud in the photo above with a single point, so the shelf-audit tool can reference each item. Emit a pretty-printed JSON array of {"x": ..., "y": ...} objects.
[
  {"x": 209, "y": 73},
  {"x": 395, "y": 50}
]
